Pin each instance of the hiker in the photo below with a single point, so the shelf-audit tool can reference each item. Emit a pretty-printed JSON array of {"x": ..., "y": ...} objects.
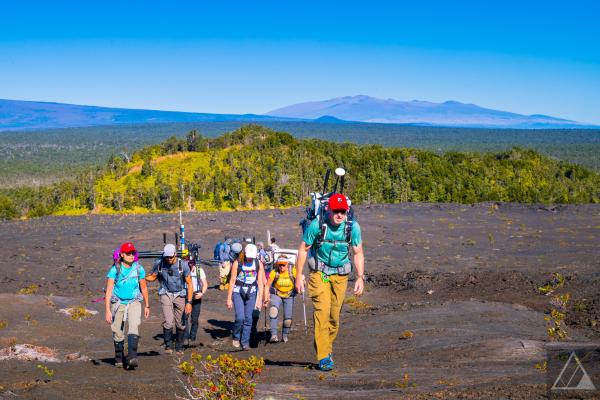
[
  {"x": 125, "y": 291},
  {"x": 328, "y": 278},
  {"x": 199, "y": 288},
  {"x": 225, "y": 260},
  {"x": 281, "y": 288},
  {"x": 175, "y": 295},
  {"x": 274, "y": 245},
  {"x": 264, "y": 257},
  {"x": 246, "y": 291}
]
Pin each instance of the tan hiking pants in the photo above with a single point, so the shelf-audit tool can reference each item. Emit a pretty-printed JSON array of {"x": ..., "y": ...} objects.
[
  {"x": 133, "y": 319},
  {"x": 328, "y": 299}
]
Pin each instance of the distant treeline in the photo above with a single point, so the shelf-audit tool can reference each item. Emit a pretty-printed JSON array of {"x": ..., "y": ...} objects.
[
  {"x": 256, "y": 167},
  {"x": 38, "y": 158}
]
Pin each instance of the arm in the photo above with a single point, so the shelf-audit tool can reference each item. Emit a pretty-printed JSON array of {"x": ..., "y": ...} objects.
[
  {"x": 301, "y": 259},
  {"x": 189, "y": 294},
  {"x": 262, "y": 285},
  {"x": 232, "y": 279},
  {"x": 204, "y": 285},
  {"x": 144, "y": 290},
  {"x": 110, "y": 283},
  {"x": 359, "y": 263},
  {"x": 152, "y": 277}
]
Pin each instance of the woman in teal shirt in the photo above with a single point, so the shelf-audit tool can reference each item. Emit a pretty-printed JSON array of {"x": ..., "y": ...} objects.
[{"x": 125, "y": 291}]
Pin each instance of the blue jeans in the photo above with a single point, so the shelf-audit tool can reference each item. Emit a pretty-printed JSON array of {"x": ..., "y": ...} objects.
[
  {"x": 191, "y": 328},
  {"x": 243, "y": 317},
  {"x": 288, "y": 307}
]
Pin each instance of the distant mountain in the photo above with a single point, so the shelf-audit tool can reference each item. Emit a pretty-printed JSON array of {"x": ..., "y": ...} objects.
[
  {"x": 450, "y": 113},
  {"x": 17, "y": 114}
]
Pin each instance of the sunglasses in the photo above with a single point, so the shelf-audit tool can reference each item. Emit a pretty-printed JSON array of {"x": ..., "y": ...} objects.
[
  {"x": 130, "y": 253},
  {"x": 343, "y": 212}
]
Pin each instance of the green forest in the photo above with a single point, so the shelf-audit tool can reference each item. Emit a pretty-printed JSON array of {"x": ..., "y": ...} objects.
[
  {"x": 257, "y": 167},
  {"x": 41, "y": 157}
]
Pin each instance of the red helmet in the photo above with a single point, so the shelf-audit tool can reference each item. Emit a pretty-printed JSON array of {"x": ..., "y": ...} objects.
[{"x": 338, "y": 201}]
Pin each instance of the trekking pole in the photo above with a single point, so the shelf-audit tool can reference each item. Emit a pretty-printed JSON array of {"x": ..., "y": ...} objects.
[{"x": 304, "y": 309}]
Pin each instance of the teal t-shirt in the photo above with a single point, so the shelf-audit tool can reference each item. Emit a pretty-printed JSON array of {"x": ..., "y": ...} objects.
[
  {"x": 127, "y": 286},
  {"x": 333, "y": 255}
]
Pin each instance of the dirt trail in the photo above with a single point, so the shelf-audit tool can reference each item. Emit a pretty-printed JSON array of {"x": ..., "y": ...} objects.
[{"x": 462, "y": 279}]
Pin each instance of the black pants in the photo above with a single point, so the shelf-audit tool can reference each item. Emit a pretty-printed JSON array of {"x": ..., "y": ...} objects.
[{"x": 192, "y": 327}]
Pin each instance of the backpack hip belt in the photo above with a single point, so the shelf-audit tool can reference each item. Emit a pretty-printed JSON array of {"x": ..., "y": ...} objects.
[{"x": 329, "y": 270}]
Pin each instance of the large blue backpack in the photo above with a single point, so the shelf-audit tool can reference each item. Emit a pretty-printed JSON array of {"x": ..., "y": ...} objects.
[{"x": 217, "y": 250}]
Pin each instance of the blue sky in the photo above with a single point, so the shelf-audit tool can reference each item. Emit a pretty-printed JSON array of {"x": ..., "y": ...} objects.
[{"x": 530, "y": 57}]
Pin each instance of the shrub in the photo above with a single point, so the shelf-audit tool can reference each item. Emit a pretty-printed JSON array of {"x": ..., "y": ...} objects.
[{"x": 223, "y": 378}]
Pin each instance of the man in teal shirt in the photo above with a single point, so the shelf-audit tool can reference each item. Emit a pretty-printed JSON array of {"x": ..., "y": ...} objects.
[{"x": 329, "y": 271}]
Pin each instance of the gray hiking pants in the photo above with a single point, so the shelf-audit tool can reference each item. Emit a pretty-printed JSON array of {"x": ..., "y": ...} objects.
[
  {"x": 130, "y": 314},
  {"x": 288, "y": 307},
  {"x": 173, "y": 307}
]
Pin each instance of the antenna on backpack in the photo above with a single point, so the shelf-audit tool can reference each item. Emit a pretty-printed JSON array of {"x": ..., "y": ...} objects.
[
  {"x": 326, "y": 180},
  {"x": 339, "y": 173},
  {"x": 164, "y": 238}
]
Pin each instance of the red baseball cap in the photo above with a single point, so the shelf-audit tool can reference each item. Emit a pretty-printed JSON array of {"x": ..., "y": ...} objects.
[
  {"x": 127, "y": 247},
  {"x": 338, "y": 202}
]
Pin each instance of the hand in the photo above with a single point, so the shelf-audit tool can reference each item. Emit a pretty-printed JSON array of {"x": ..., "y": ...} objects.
[
  {"x": 229, "y": 304},
  {"x": 300, "y": 285},
  {"x": 188, "y": 308},
  {"x": 108, "y": 318},
  {"x": 359, "y": 285},
  {"x": 146, "y": 312},
  {"x": 266, "y": 303},
  {"x": 198, "y": 295}
]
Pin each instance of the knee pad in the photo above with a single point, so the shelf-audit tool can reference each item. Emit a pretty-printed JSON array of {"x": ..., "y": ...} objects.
[
  {"x": 273, "y": 312},
  {"x": 287, "y": 323}
]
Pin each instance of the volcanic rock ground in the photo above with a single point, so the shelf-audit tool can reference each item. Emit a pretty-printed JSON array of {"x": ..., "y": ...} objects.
[{"x": 462, "y": 279}]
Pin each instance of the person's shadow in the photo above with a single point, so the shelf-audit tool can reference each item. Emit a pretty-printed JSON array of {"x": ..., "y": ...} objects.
[
  {"x": 111, "y": 360},
  {"x": 219, "y": 329}
]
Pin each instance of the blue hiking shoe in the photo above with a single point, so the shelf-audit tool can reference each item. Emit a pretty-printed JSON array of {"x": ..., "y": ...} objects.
[{"x": 326, "y": 364}]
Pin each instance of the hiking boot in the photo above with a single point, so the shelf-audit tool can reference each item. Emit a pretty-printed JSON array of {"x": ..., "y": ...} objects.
[
  {"x": 168, "y": 336},
  {"x": 132, "y": 344},
  {"x": 119, "y": 350},
  {"x": 236, "y": 343},
  {"x": 284, "y": 338},
  {"x": 179, "y": 341},
  {"x": 326, "y": 364},
  {"x": 274, "y": 339}
]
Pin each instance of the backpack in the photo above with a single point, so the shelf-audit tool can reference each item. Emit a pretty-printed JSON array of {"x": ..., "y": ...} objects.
[
  {"x": 318, "y": 210},
  {"x": 217, "y": 251},
  {"x": 160, "y": 262},
  {"x": 292, "y": 278}
]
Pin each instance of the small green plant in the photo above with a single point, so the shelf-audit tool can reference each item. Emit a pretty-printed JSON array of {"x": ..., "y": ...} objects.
[
  {"x": 557, "y": 281},
  {"x": 3, "y": 324},
  {"x": 29, "y": 319},
  {"x": 49, "y": 372},
  {"x": 356, "y": 305},
  {"x": 223, "y": 378},
  {"x": 404, "y": 383},
  {"x": 31, "y": 289},
  {"x": 78, "y": 313},
  {"x": 579, "y": 307},
  {"x": 556, "y": 329},
  {"x": 542, "y": 367}
]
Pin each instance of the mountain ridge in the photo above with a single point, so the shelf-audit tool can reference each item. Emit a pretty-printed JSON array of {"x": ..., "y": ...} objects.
[{"x": 451, "y": 113}]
